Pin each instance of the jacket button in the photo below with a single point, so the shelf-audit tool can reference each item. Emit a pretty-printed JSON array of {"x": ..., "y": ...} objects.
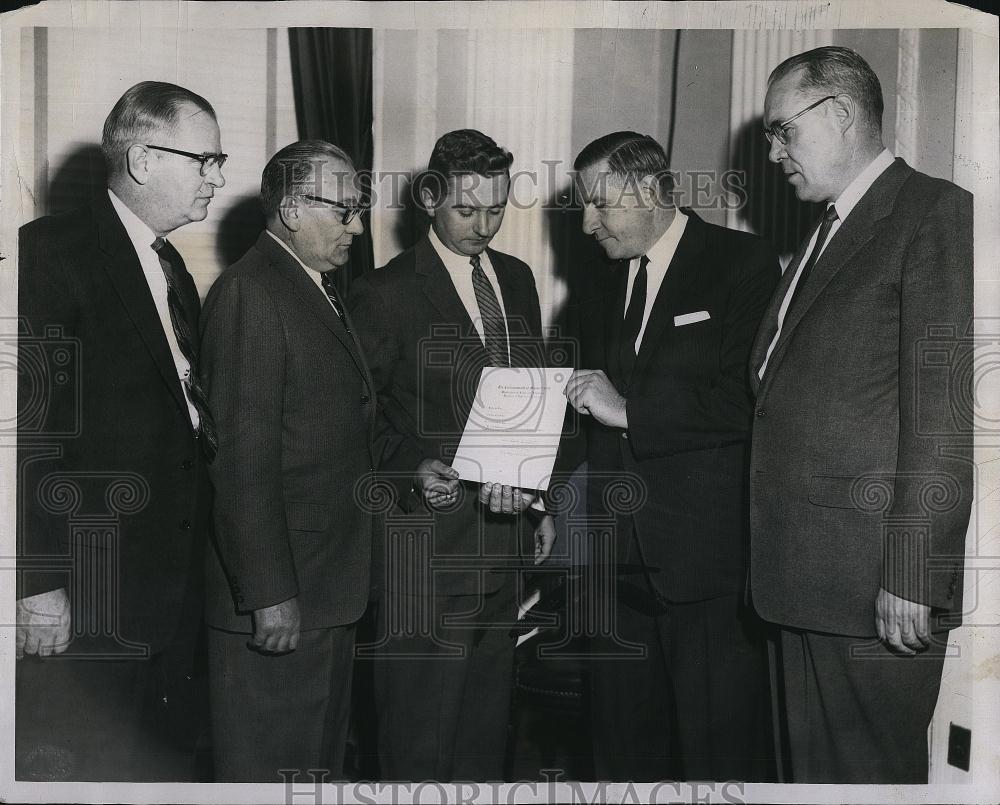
[
  {"x": 187, "y": 464},
  {"x": 624, "y": 435},
  {"x": 185, "y": 525},
  {"x": 365, "y": 399},
  {"x": 759, "y": 413}
]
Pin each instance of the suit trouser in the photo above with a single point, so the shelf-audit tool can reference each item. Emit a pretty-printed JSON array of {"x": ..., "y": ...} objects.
[
  {"x": 850, "y": 710},
  {"x": 695, "y": 705},
  {"x": 288, "y": 711},
  {"x": 443, "y": 699}
]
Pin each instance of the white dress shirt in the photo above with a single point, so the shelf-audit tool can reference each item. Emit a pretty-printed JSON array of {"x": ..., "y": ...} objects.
[
  {"x": 844, "y": 204},
  {"x": 142, "y": 238},
  {"x": 315, "y": 276},
  {"x": 660, "y": 255},
  {"x": 459, "y": 269}
]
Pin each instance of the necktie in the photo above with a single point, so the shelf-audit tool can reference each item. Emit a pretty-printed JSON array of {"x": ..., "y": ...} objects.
[
  {"x": 633, "y": 318},
  {"x": 172, "y": 265},
  {"x": 824, "y": 232},
  {"x": 494, "y": 326},
  {"x": 331, "y": 294}
]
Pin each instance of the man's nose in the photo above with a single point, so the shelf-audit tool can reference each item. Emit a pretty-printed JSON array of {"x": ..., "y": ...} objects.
[
  {"x": 356, "y": 227},
  {"x": 590, "y": 221},
  {"x": 481, "y": 225},
  {"x": 776, "y": 151},
  {"x": 214, "y": 177}
]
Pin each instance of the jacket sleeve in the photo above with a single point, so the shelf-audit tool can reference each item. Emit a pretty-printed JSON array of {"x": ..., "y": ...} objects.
[
  {"x": 934, "y": 472},
  {"x": 243, "y": 362},
  {"x": 690, "y": 416}
]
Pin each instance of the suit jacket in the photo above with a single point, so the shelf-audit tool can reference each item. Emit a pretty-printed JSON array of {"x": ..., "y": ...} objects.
[
  {"x": 106, "y": 448},
  {"x": 689, "y": 412},
  {"x": 426, "y": 359},
  {"x": 295, "y": 409},
  {"x": 861, "y": 471}
]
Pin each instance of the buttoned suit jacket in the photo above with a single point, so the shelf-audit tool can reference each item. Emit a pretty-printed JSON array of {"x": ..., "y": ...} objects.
[
  {"x": 426, "y": 359},
  {"x": 109, "y": 467},
  {"x": 678, "y": 473},
  {"x": 295, "y": 409},
  {"x": 861, "y": 471}
]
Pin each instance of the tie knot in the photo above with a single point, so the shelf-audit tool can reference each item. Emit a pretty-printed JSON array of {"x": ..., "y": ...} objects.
[
  {"x": 327, "y": 279},
  {"x": 476, "y": 264},
  {"x": 158, "y": 244},
  {"x": 643, "y": 262},
  {"x": 830, "y": 214}
]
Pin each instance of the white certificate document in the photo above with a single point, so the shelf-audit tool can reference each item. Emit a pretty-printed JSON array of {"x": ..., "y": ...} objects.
[{"x": 514, "y": 427}]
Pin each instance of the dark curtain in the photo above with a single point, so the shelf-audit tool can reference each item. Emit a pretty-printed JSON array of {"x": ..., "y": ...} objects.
[{"x": 332, "y": 77}]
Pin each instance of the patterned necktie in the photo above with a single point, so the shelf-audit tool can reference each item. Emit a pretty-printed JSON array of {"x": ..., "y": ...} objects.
[
  {"x": 494, "y": 326},
  {"x": 633, "y": 318},
  {"x": 172, "y": 265},
  {"x": 829, "y": 217},
  {"x": 331, "y": 294}
]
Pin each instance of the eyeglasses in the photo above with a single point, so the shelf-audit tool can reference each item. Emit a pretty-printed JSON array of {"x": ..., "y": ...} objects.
[
  {"x": 348, "y": 211},
  {"x": 208, "y": 161},
  {"x": 776, "y": 131}
]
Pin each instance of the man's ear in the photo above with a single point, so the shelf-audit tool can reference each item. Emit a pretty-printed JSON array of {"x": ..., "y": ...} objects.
[
  {"x": 289, "y": 213},
  {"x": 427, "y": 201},
  {"x": 845, "y": 110},
  {"x": 649, "y": 190},
  {"x": 138, "y": 163}
]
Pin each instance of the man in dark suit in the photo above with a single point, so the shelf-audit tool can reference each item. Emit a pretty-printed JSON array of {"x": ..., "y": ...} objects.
[
  {"x": 861, "y": 481},
  {"x": 114, "y": 493},
  {"x": 430, "y": 321},
  {"x": 295, "y": 407},
  {"x": 679, "y": 688}
]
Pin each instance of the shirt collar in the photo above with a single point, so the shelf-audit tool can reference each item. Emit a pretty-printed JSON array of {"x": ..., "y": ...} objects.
[
  {"x": 662, "y": 252},
  {"x": 315, "y": 276},
  {"x": 455, "y": 263},
  {"x": 139, "y": 233},
  {"x": 852, "y": 194}
]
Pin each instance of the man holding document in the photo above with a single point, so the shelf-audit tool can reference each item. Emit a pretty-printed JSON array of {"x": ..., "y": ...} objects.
[
  {"x": 432, "y": 322},
  {"x": 666, "y": 392}
]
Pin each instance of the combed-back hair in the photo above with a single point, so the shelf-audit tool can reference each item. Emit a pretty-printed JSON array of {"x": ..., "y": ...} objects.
[
  {"x": 465, "y": 151},
  {"x": 631, "y": 157},
  {"x": 835, "y": 70},
  {"x": 145, "y": 110},
  {"x": 295, "y": 169}
]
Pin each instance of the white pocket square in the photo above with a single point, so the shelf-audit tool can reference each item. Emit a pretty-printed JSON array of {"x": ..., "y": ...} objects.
[{"x": 690, "y": 318}]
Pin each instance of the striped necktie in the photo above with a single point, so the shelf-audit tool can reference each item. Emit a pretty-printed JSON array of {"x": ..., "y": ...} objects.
[
  {"x": 494, "y": 325},
  {"x": 172, "y": 266}
]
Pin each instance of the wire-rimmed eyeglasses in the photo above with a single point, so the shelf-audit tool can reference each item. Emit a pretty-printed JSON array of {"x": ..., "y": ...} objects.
[{"x": 776, "y": 131}]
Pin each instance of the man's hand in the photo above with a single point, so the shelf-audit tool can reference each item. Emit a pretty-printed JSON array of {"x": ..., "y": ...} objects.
[
  {"x": 436, "y": 482},
  {"x": 276, "y": 628},
  {"x": 43, "y": 624},
  {"x": 545, "y": 537},
  {"x": 902, "y": 625},
  {"x": 503, "y": 499},
  {"x": 590, "y": 392}
]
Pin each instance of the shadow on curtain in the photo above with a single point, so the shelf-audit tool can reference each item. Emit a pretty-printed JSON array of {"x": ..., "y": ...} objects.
[{"x": 332, "y": 81}]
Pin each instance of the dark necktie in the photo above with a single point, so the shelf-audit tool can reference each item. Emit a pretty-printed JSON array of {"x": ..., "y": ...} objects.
[
  {"x": 829, "y": 217},
  {"x": 494, "y": 326},
  {"x": 331, "y": 294},
  {"x": 184, "y": 329},
  {"x": 633, "y": 318}
]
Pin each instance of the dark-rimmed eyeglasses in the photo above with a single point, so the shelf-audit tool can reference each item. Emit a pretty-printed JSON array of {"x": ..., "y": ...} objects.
[
  {"x": 208, "y": 161},
  {"x": 777, "y": 131},
  {"x": 348, "y": 212}
]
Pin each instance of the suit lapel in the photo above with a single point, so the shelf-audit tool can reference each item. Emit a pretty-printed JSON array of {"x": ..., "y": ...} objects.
[
  {"x": 855, "y": 232},
  {"x": 125, "y": 272},
  {"x": 313, "y": 299},
  {"x": 440, "y": 292},
  {"x": 682, "y": 271}
]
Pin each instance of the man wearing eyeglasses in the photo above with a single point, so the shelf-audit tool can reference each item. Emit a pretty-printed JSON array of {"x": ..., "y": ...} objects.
[
  {"x": 119, "y": 426},
  {"x": 861, "y": 470},
  {"x": 295, "y": 406}
]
